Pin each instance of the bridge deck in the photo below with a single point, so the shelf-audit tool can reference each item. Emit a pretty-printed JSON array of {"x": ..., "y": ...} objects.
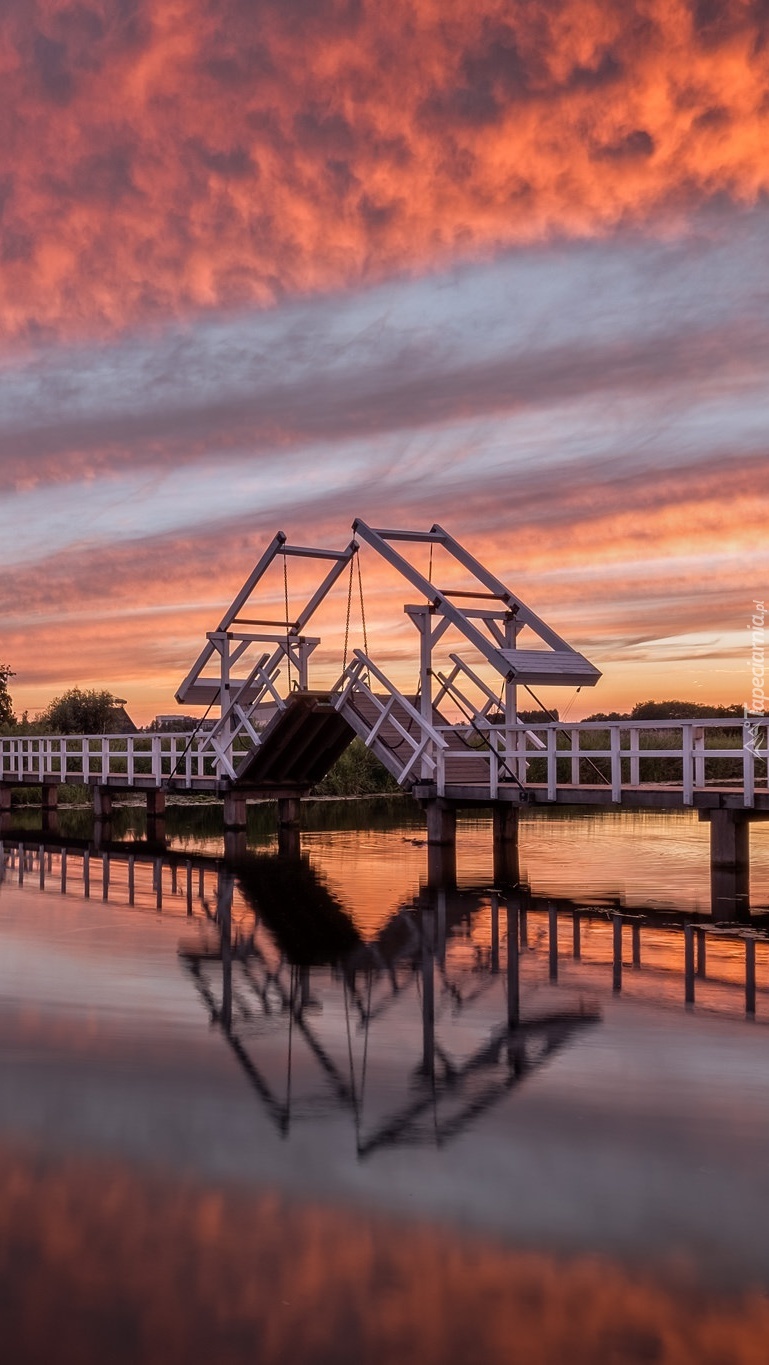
[
  {"x": 644, "y": 797},
  {"x": 701, "y": 764}
]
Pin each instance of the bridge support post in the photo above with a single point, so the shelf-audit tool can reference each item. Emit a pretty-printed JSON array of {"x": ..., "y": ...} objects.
[
  {"x": 102, "y": 804},
  {"x": 5, "y": 809},
  {"x": 50, "y": 808},
  {"x": 441, "y": 843},
  {"x": 156, "y": 814},
  {"x": 729, "y": 865},
  {"x": 234, "y": 810},
  {"x": 506, "y": 861},
  {"x": 289, "y": 827},
  {"x": 235, "y": 845}
]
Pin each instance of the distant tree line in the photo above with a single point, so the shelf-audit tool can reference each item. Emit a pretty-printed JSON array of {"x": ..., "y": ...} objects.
[{"x": 671, "y": 710}]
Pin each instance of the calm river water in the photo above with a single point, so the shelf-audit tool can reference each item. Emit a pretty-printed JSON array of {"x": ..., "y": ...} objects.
[{"x": 280, "y": 1112}]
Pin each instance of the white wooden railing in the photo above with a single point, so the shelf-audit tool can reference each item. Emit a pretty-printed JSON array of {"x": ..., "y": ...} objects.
[
  {"x": 375, "y": 709},
  {"x": 150, "y": 760},
  {"x": 614, "y": 754}
]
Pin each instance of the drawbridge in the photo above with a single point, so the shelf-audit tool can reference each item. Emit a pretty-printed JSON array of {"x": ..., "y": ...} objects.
[{"x": 454, "y": 731}]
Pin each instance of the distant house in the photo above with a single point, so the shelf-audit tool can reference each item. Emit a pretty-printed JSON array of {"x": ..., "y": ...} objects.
[{"x": 175, "y": 722}]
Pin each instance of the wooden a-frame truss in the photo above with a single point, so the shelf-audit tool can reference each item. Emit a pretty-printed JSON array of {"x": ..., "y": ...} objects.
[
  {"x": 489, "y": 617},
  {"x": 238, "y": 698}
]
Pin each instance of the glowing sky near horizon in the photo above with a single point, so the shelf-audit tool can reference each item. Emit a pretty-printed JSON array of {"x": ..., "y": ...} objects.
[{"x": 274, "y": 263}]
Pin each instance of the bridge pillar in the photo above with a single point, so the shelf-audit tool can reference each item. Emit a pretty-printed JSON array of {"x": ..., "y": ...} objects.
[
  {"x": 102, "y": 834},
  {"x": 235, "y": 845},
  {"x": 289, "y": 828},
  {"x": 102, "y": 804},
  {"x": 50, "y": 808},
  {"x": 441, "y": 843},
  {"x": 234, "y": 810},
  {"x": 5, "y": 809},
  {"x": 156, "y": 814},
  {"x": 506, "y": 862},
  {"x": 50, "y": 819},
  {"x": 729, "y": 865}
]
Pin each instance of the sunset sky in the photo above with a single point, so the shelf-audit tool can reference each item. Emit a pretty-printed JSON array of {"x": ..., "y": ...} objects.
[{"x": 280, "y": 263}]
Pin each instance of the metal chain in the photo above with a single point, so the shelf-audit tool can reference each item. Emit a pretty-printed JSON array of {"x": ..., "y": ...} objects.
[{"x": 347, "y": 622}]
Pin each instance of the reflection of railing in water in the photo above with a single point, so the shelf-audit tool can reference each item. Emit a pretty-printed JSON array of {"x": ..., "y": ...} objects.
[
  {"x": 693, "y": 936},
  {"x": 76, "y": 867},
  {"x": 137, "y": 875}
]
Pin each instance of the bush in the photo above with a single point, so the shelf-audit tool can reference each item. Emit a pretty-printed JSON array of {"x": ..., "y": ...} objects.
[{"x": 357, "y": 773}]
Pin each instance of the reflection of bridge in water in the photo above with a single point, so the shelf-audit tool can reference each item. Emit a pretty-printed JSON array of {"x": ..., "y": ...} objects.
[
  {"x": 494, "y": 982},
  {"x": 453, "y": 734},
  {"x": 246, "y": 976}
]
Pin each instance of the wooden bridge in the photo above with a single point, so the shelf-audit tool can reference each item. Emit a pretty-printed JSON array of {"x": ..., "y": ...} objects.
[{"x": 453, "y": 737}]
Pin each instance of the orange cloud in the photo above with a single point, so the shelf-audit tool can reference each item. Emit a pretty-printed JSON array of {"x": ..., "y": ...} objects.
[{"x": 161, "y": 157}]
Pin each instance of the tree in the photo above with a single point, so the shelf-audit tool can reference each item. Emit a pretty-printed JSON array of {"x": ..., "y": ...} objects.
[
  {"x": 682, "y": 710},
  {"x": 79, "y": 712},
  {"x": 6, "y": 705}
]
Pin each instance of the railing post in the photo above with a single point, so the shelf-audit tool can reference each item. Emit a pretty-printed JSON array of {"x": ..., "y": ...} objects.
[
  {"x": 493, "y": 769},
  {"x": 698, "y": 735},
  {"x": 552, "y": 762},
  {"x": 686, "y": 759},
  {"x": 575, "y": 757},
  {"x": 748, "y": 764},
  {"x": 635, "y": 757},
  {"x": 615, "y": 742}
]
